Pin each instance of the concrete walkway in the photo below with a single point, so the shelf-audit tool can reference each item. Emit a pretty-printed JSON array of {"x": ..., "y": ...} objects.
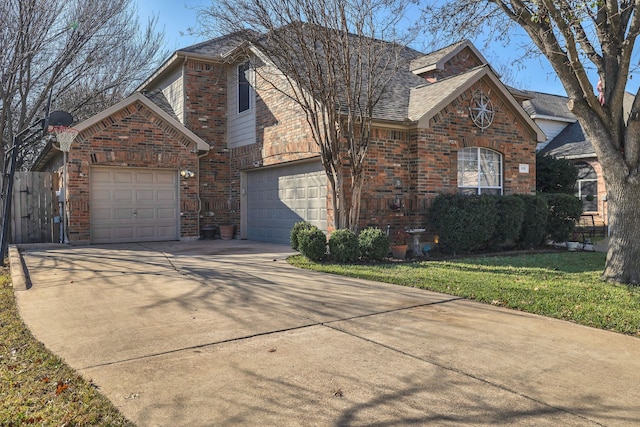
[{"x": 227, "y": 333}]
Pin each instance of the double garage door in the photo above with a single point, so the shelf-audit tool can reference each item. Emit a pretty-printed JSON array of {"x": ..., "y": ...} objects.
[
  {"x": 279, "y": 197},
  {"x": 134, "y": 205}
]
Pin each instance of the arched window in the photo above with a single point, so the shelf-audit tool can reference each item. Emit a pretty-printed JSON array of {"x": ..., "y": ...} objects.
[
  {"x": 479, "y": 171},
  {"x": 587, "y": 187}
]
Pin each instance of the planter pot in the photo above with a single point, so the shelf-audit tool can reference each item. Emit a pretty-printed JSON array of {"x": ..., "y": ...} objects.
[
  {"x": 226, "y": 232},
  {"x": 399, "y": 251},
  {"x": 572, "y": 246}
]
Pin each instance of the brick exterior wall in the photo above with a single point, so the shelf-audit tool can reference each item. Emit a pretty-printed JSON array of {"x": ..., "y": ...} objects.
[
  {"x": 132, "y": 137},
  {"x": 459, "y": 63},
  {"x": 206, "y": 116},
  {"x": 424, "y": 161}
]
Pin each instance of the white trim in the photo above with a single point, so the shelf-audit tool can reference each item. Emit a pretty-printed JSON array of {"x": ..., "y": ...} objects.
[{"x": 553, "y": 118}]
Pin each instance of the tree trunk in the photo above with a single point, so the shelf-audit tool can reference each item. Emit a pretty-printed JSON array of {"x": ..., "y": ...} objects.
[
  {"x": 356, "y": 196},
  {"x": 623, "y": 257}
]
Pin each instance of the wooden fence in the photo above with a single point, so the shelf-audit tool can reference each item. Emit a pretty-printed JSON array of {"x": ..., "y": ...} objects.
[{"x": 34, "y": 205}]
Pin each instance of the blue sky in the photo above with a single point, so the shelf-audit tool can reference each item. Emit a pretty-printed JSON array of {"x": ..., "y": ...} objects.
[{"x": 176, "y": 16}]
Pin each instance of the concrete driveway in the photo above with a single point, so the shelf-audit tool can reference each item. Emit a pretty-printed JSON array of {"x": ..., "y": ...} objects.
[{"x": 227, "y": 333}]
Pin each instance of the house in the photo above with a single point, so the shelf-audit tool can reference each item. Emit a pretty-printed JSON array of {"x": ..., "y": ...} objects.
[
  {"x": 204, "y": 142},
  {"x": 565, "y": 139}
]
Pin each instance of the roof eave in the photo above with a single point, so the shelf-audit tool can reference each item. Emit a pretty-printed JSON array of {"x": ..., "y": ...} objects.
[
  {"x": 200, "y": 143},
  {"x": 424, "y": 120}
]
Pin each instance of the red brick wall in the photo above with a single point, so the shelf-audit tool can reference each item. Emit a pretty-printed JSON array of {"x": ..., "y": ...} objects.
[
  {"x": 425, "y": 160},
  {"x": 132, "y": 137},
  {"x": 459, "y": 63},
  {"x": 206, "y": 116}
]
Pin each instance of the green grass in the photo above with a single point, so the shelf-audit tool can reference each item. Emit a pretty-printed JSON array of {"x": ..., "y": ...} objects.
[
  {"x": 564, "y": 285},
  {"x": 37, "y": 387}
]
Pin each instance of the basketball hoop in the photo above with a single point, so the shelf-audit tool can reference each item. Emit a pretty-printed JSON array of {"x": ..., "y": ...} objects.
[{"x": 65, "y": 136}]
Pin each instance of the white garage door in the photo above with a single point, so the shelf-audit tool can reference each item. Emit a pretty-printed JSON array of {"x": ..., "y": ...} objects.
[
  {"x": 134, "y": 205},
  {"x": 279, "y": 197}
]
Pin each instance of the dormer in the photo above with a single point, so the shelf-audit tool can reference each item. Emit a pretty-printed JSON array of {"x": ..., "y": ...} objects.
[{"x": 448, "y": 61}]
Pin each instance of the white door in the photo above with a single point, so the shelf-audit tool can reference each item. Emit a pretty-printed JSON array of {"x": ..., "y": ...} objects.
[
  {"x": 279, "y": 197},
  {"x": 134, "y": 205}
]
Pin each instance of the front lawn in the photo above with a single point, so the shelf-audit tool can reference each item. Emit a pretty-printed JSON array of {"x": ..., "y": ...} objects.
[
  {"x": 37, "y": 387},
  {"x": 564, "y": 285}
]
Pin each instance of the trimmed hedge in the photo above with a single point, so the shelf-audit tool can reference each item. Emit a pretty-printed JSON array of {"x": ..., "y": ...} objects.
[
  {"x": 564, "y": 211},
  {"x": 463, "y": 223},
  {"x": 510, "y": 218},
  {"x": 312, "y": 243},
  {"x": 297, "y": 227},
  {"x": 343, "y": 246},
  {"x": 534, "y": 223},
  {"x": 373, "y": 244}
]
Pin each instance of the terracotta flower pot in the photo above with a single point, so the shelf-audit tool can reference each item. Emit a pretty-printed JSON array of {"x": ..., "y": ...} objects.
[
  {"x": 226, "y": 232},
  {"x": 399, "y": 251}
]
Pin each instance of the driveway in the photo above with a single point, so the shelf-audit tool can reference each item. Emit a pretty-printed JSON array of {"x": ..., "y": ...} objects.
[{"x": 227, "y": 333}]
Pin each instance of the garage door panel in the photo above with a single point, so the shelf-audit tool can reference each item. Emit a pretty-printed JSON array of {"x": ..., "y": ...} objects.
[
  {"x": 122, "y": 213},
  {"x": 277, "y": 198},
  {"x": 162, "y": 195},
  {"x": 145, "y": 195},
  {"x": 122, "y": 177},
  {"x": 122, "y": 196},
  {"x": 145, "y": 213},
  {"x": 130, "y": 205},
  {"x": 144, "y": 178},
  {"x": 166, "y": 214}
]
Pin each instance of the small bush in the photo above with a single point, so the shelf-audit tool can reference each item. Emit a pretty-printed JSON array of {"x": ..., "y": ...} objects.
[
  {"x": 312, "y": 243},
  {"x": 297, "y": 227},
  {"x": 564, "y": 210},
  {"x": 534, "y": 222},
  {"x": 463, "y": 223},
  {"x": 343, "y": 246},
  {"x": 510, "y": 217},
  {"x": 373, "y": 244}
]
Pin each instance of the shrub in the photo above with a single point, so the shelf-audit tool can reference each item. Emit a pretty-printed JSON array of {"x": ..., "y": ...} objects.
[
  {"x": 373, "y": 244},
  {"x": 555, "y": 175},
  {"x": 297, "y": 227},
  {"x": 343, "y": 246},
  {"x": 564, "y": 210},
  {"x": 534, "y": 222},
  {"x": 312, "y": 243},
  {"x": 509, "y": 223},
  {"x": 463, "y": 223}
]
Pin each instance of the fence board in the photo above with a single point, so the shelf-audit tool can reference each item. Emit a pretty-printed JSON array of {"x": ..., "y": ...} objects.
[{"x": 33, "y": 207}]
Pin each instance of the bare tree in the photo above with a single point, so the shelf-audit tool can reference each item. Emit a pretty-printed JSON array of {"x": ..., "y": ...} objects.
[
  {"x": 585, "y": 41},
  {"x": 334, "y": 59},
  {"x": 81, "y": 51}
]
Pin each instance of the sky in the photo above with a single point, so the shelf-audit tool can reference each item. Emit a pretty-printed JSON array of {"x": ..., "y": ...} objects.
[{"x": 176, "y": 16}]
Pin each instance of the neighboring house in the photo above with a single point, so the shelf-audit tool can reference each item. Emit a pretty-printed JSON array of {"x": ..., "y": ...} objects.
[
  {"x": 446, "y": 124},
  {"x": 565, "y": 139}
]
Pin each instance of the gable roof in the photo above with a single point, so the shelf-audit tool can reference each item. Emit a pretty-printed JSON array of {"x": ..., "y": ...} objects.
[
  {"x": 437, "y": 59},
  {"x": 548, "y": 106},
  {"x": 570, "y": 144},
  {"x": 428, "y": 100},
  {"x": 48, "y": 152}
]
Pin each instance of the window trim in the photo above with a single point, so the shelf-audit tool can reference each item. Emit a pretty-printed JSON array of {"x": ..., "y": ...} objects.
[
  {"x": 579, "y": 183},
  {"x": 477, "y": 186},
  {"x": 241, "y": 79}
]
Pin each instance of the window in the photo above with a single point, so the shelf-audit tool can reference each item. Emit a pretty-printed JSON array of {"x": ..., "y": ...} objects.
[
  {"x": 479, "y": 171},
  {"x": 587, "y": 187},
  {"x": 244, "y": 89}
]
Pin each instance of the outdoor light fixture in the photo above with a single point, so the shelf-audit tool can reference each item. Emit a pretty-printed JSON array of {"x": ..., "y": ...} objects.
[{"x": 186, "y": 174}]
